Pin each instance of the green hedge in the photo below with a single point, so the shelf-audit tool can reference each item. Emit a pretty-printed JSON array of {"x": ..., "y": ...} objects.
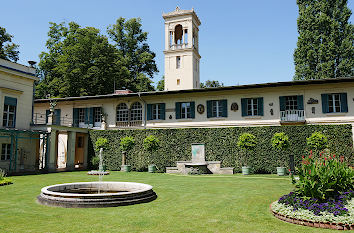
[{"x": 220, "y": 145}]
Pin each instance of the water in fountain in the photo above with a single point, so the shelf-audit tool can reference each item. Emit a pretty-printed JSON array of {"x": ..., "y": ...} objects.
[{"x": 100, "y": 171}]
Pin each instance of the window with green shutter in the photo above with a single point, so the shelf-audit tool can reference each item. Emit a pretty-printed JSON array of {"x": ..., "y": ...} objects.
[
  {"x": 216, "y": 108},
  {"x": 9, "y": 112},
  {"x": 185, "y": 110},
  {"x": 334, "y": 102},
  {"x": 156, "y": 111},
  {"x": 252, "y": 106}
]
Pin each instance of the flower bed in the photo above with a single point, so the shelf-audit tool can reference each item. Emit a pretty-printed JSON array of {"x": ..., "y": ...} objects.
[{"x": 308, "y": 218}]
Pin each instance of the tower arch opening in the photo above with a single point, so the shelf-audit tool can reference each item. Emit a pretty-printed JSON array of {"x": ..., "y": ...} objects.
[{"x": 178, "y": 34}]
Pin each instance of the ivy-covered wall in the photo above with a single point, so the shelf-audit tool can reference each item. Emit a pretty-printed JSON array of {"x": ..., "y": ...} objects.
[{"x": 220, "y": 145}]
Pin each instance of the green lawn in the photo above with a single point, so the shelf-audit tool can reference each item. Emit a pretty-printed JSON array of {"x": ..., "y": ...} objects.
[{"x": 211, "y": 203}]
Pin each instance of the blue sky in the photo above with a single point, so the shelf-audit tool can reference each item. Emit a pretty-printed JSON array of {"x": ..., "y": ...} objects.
[{"x": 241, "y": 42}]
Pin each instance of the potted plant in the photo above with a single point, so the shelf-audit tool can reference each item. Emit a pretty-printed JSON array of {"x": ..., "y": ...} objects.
[
  {"x": 100, "y": 144},
  {"x": 151, "y": 144},
  {"x": 280, "y": 142},
  {"x": 126, "y": 144},
  {"x": 246, "y": 142},
  {"x": 317, "y": 142}
]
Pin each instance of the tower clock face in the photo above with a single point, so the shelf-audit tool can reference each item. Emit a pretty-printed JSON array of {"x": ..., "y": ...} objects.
[{"x": 200, "y": 108}]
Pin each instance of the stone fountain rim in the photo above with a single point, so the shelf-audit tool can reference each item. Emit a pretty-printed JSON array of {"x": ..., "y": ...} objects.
[{"x": 44, "y": 190}]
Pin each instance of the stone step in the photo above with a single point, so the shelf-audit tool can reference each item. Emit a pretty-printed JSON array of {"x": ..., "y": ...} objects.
[{"x": 227, "y": 170}]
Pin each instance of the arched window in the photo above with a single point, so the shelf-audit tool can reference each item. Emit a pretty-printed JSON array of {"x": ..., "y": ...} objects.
[
  {"x": 178, "y": 34},
  {"x": 122, "y": 113},
  {"x": 136, "y": 112}
]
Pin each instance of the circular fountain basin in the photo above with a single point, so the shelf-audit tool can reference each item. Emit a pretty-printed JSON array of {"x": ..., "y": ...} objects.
[{"x": 96, "y": 194}]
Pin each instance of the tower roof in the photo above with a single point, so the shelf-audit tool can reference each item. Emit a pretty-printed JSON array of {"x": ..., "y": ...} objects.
[{"x": 179, "y": 12}]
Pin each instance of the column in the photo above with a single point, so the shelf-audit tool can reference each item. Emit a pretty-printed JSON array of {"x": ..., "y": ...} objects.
[
  {"x": 70, "y": 164},
  {"x": 53, "y": 150},
  {"x": 86, "y": 150}
]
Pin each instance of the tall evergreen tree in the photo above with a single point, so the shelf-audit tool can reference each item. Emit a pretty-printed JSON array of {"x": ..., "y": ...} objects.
[
  {"x": 325, "y": 44},
  {"x": 8, "y": 49}
]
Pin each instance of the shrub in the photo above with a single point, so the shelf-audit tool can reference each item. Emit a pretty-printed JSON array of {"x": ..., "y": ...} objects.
[
  {"x": 317, "y": 142},
  {"x": 2, "y": 174},
  {"x": 323, "y": 177},
  {"x": 220, "y": 144},
  {"x": 101, "y": 143},
  {"x": 280, "y": 141},
  {"x": 95, "y": 161},
  {"x": 151, "y": 144},
  {"x": 246, "y": 142},
  {"x": 127, "y": 143}
]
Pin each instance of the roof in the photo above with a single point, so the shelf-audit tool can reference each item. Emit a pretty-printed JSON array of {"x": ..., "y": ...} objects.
[
  {"x": 28, "y": 71},
  {"x": 213, "y": 89}
]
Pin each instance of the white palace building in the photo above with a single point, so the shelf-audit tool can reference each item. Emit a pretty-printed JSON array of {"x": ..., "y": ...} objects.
[{"x": 184, "y": 104}]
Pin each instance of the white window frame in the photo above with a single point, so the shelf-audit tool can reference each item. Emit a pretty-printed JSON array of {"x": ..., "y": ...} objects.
[
  {"x": 122, "y": 113},
  {"x": 7, "y": 113},
  {"x": 186, "y": 112},
  {"x": 5, "y": 152},
  {"x": 334, "y": 103},
  {"x": 291, "y": 103},
  {"x": 97, "y": 116},
  {"x": 252, "y": 106},
  {"x": 136, "y": 112},
  {"x": 216, "y": 108},
  {"x": 156, "y": 111}
]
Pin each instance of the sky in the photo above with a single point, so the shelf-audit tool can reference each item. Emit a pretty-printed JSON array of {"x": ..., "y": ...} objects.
[{"x": 240, "y": 42}]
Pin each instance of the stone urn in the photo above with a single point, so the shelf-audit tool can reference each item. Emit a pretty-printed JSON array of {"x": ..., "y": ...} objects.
[{"x": 246, "y": 170}]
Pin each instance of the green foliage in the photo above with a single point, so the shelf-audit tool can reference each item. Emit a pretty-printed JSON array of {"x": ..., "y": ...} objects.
[
  {"x": 101, "y": 143},
  {"x": 323, "y": 177},
  {"x": 317, "y": 141},
  {"x": 211, "y": 83},
  {"x": 247, "y": 141},
  {"x": 2, "y": 174},
  {"x": 161, "y": 84},
  {"x": 151, "y": 143},
  {"x": 127, "y": 143},
  {"x": 95, "y": 161},
  {"x": 82, "y": 61},
  {"x": 8, "y": 50},
  {"x": 280, "y": 141},
  {"x": 325, "y": 43},
  {"x": 220, "y": 144}
]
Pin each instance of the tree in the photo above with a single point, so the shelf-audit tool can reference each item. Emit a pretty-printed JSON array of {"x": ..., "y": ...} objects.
[
  {"x": 138, "y": 59},
  {"x": 8, "y": 49},
  {"x": 79, "y": 61},
  {"x": 325, "y": 43},
  {"x": 161, "y": 84},
  {"x": 211, "y": 83}
]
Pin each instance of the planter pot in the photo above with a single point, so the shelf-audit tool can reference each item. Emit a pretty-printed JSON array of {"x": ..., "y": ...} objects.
[
  {"x": 246, "y": 170},
  {"x": 152, "y": 168},
  {"x": 126, "y": 168},
  {"x": 281, "y": 171}
]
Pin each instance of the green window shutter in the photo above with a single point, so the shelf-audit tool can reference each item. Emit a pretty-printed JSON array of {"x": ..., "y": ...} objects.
[
  {"x": 343, "y": 102},
  {"x": 10, "y": 101},
  {"x": 300, "y": 102},
  {"x": 57, "y": 113},
  {"x": 192, "y": 109},
  {"x": 209, "y": 110},
  {"x": 224, "y": 107},
  {"x": 244, "y": 107},
  {"x": 282, "y": 103},
  {"x": 178, "y": 110},
  {"x": 86, "y": 116},
  {"x": 75, "y": 117},
  {"x": 46, "y": 116},
  {"x": 260, "y": 106},
  {"x": 324, "y": 99},
  {"x": 91, "y": 117},
  {"x": 149, "y": 112},
  {"x": 163, "y": 111}
]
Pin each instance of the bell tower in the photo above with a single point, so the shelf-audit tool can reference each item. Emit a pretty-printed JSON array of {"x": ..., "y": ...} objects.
[{"x": 181, "y": 50}]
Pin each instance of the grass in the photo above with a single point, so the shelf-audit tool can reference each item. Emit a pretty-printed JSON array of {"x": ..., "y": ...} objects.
[{"x": 213, "y": 203}]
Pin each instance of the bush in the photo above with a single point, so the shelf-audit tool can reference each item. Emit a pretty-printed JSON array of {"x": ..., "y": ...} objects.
[
  {"x": 317, "y": 142},
  {"x": 95, "y": 161},
  {"x": 127, "y": 143},
  {"x": 220, "y": 144},
  {"x": 280, "y": 141},
  {"x": 151, "y": 143},
  {"x": 246, "y": 142},
  {"x": 323, "y": 177},
  {"x": 101, "y": 143}
]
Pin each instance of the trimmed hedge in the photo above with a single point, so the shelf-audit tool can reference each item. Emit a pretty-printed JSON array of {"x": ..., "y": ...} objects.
[{"x": 221, "y": 145}]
